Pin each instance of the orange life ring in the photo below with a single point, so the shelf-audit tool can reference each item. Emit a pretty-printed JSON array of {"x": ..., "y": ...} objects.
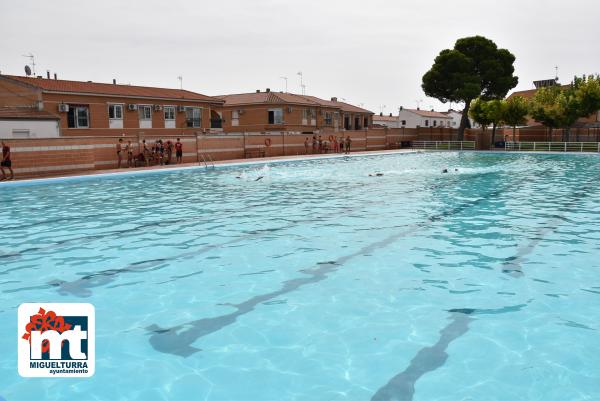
[
  {"x": 331, "y": 138},
  {"x": 268, "y": 142}
]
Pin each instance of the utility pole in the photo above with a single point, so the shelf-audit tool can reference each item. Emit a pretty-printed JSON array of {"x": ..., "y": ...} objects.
[
  {"x": 180, "y": 78},
  {"x": 301, "y": 83}
]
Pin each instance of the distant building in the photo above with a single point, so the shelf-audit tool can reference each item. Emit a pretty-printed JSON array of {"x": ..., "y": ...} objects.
[
  {"x": 268, "y": 111},
  {"x": 591, "y": 121},
  {"x": 413, "y": 118},
  {"x": 457, "y": 117},
  {"x": 389, "y": 121}
]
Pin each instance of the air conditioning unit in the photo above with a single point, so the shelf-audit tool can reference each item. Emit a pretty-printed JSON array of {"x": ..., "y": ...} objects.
[
  {"x": 63, "y": 108},
  {"x": 132, "y": 107},
  {"x": 157, "y": 107},
  {"x": 181, "y": 109},
  {"x": 290, "y": 109}
]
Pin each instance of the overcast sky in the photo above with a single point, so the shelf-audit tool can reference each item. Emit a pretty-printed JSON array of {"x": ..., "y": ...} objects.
[{"x": 367, "y": 52}]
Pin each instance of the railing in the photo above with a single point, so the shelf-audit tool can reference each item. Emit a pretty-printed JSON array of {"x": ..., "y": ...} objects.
[
  {"x": 553, "y": 146},
  {"x": 444, "y": 145},
  {"x": 207, "y": 159}
]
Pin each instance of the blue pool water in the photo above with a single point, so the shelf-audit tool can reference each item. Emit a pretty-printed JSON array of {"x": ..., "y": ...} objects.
[{"x": 318, "y": 282}]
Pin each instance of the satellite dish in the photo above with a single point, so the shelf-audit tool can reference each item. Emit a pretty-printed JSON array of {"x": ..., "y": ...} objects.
[{"x": 27, "y": 70}]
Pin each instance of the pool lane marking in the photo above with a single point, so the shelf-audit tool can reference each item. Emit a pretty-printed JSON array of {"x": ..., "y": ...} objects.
[
  {"x": 177, "y": 340},
  {"x": 401, "y": 387}
]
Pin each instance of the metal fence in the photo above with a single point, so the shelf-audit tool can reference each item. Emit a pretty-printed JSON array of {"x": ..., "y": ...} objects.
[
  {"x": 553, "y": 146},
  {"x": 444, "y": 145}
]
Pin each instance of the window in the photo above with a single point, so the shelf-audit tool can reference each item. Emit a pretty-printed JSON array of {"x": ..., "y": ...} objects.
[
  {"x": 193, "y": 117},
  {"x": 427, "y": 123},
  {"x": 115, "y": 111},
  {"x": 403, "y": 122},
  {"x": 328, "y": 118},
  {"x": 169, "y": 112},
  {"x": 235, "y": 118},
  {"x": 78, "y": 117},
  {"x": 145, "y": 112},
  {"x": 366, "y": 122},
  {"x": 434, "y": 123},
  {"x": 276, "y": 116}
]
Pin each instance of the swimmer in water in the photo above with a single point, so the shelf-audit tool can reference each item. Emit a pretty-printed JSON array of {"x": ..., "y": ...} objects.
[
  {"x": 259, "y": 178},
  {"x": 376, "y": 175},
  {"x": 445, "y": 170}
]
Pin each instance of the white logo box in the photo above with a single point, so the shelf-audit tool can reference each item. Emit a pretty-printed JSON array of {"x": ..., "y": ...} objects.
[{"x": 57, "y": 367}]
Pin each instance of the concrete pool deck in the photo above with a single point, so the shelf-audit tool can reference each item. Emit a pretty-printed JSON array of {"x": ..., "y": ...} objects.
[{"x": 196, "y": 165}]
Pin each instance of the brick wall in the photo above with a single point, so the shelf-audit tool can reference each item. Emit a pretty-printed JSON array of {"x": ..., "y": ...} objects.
[{"x": 56, "y": 156}]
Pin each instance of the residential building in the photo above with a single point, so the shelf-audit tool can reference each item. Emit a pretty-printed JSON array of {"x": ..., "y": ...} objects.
[
  {"x": 456, "y": 117},
  {"x": 104, "y": 109},
  {"x": 413, "y": 118},
  {"x": 389, "y": 121},
  {"x": 267, "y": 111}
]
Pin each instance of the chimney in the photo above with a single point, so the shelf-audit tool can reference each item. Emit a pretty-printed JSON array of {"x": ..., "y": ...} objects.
[
  {"x": 48, "y": 74},
  {"x": 39, "y": 76},
  {"x": 114, "y": 81},
  {"x": 390, "y": 114},
  {"x": 334, "y": 99},
  {"x": 381, "y": 114},
  {"x": 418, "y": 108},
  {"x": 55, "y": 76},
  {"x": 401, "y": 108},
  {"x": 268, "y": 90},
  {"x": 258, "y": 91}
]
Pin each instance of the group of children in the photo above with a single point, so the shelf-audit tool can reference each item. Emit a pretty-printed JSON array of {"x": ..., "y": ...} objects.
[
  {"x": 334, "y": 144},
  {"x": 159, "y": 153}
]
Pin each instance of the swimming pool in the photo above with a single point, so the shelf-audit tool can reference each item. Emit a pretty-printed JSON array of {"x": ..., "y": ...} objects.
[{"x": 318, "y": 282}]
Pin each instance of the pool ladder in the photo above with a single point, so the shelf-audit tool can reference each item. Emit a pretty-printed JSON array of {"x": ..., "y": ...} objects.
[{"x": 207, "y": 160}]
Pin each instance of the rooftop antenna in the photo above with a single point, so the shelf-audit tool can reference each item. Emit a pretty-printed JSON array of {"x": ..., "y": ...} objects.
[
  {"x": 31, "y": 58},
  {"x": 301, "y": 83},
  {"x": 419, "y": 103},
  {"x": 382, "y": 107},
  {"x": 180, "y": 78},
  {"x": 285, "y": 79},
  {"x": 303, "y": 89},
  {"x": 556, "y": 73}
]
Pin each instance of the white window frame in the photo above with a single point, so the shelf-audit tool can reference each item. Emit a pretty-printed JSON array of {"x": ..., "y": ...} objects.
[
  {"x": 142, "y": 108},
  {"x": 87, "y": 115},
  {"x": 277, "y": 112},
  {"x": 115, "y": 106},
  {"x": 172, "y": 109},
  {"x": 194, "y": 110},
  {"x": 235, "y": 118}
]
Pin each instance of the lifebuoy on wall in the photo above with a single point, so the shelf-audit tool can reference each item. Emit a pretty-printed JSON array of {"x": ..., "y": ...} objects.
[{"x": 268, "y": 142}]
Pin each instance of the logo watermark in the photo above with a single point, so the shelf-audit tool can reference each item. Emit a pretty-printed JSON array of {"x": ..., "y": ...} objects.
[{"x": 56, "y": 339}]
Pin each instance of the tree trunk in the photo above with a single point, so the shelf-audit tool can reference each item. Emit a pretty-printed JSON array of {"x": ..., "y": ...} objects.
[
  {"x": 464, "y": 121},
  {"x": 493, "y": 134},
  {"x": 514, "y": 133}
]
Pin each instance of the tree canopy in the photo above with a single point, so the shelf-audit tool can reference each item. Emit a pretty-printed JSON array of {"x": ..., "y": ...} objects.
[{"x": 476, "y": 67}]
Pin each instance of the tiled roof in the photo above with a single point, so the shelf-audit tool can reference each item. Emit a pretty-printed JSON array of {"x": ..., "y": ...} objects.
[
  {"x": 61, "y": 85},
  {"x": 527, "y": 94},
  {"x": 26, "y": 114},
  {"x": 385, "y": 118},
  {"x": 426, "y": 113},
  {"x": 265, "y": 97},
  {"x": 292, "y": 98}
]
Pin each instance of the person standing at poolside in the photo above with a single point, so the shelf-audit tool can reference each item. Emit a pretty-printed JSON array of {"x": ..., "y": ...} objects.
[
  {"x": 119, "y": 152},
  {"x": 145, "y": 153},
  {"x": 179, "y": 151},
  {"x": 320, "y": 144},
  {"x": 306, "y": 146},
  {"x": 129, "y": 150},
  {"x": 336, "y": 145},
  {"x": 169, "y": 150},
  {"x": 314, "y": 144},
  {"x": 161, "y": 152},
  {"x": 341, "y": 142},
  {"x": 348, "y": 144},
  {"x": 6, "y": 162}
]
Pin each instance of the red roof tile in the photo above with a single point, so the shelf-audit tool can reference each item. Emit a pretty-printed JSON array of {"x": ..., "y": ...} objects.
[
  {"x": 26, "y": 114},
  {"x": 60, "y": 85}
]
